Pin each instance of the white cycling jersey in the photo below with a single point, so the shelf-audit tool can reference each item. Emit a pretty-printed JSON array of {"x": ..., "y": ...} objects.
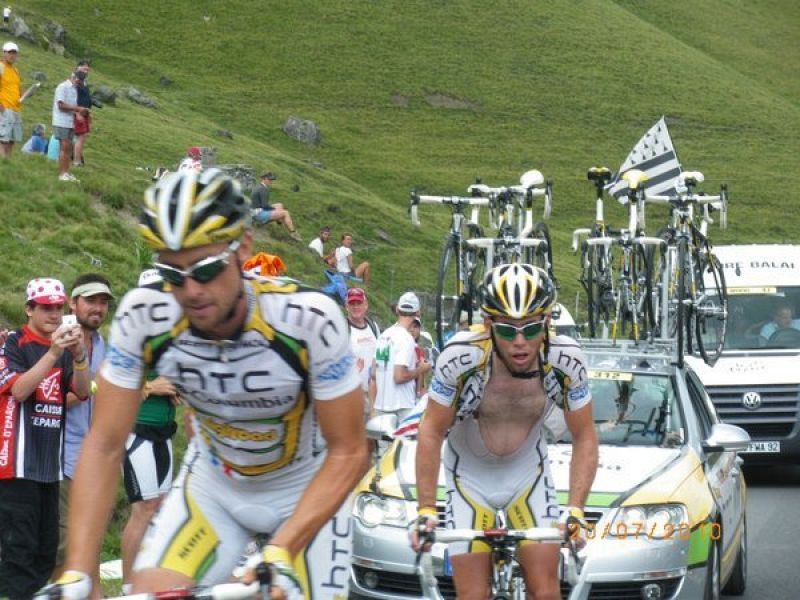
[{"x": 251, "y": 396}]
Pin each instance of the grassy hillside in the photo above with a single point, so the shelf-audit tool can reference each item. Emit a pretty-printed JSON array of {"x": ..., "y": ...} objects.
[{"x": 553, "y": 85}]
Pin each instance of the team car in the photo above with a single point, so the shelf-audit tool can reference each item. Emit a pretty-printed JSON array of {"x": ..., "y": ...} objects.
[{"x": 666, "y": 514}]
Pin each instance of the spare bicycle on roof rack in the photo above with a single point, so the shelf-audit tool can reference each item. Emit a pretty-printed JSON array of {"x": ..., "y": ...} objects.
[
  {"x": 670, "y": 286},
  {"x": 467, "y": 255}
]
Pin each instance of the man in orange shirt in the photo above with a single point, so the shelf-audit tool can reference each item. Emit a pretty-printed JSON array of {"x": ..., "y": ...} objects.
[{"x": 10, "y": 103}]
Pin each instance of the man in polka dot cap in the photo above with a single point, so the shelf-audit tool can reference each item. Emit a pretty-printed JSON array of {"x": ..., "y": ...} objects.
[{"x": 39, "y": 364}]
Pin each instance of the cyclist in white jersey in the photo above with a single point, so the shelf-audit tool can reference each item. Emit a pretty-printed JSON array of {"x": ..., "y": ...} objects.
[
  {"x": 492, "y": 387},
  {"x": 256, "y": 360}
]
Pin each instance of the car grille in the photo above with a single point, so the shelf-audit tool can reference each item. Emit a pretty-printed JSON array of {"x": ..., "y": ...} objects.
[
  {"x": 389, "y": 582},
  {"x": 774, "y": 418},
  {"x": 408, "y": 584},
  {"x": 625, "y": 590}
]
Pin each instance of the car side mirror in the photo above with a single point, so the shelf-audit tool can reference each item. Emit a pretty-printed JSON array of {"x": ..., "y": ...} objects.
[
  {"x": 381, "y": 428},
  {"x": 726, "y": 438}
]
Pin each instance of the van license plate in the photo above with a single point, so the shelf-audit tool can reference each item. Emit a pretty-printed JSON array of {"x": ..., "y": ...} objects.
[{"x": 764, "y": 447}]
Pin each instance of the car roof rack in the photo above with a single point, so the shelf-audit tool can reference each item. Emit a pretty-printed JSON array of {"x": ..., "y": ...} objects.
[{"x": 660, "y": 348}]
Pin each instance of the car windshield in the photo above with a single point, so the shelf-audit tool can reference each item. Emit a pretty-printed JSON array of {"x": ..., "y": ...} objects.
[
  {"x": 763, "y": 317},
  {"x": 633, "y": 409}
]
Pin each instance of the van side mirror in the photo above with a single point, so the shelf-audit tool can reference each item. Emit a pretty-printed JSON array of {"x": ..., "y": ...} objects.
[{"x": 726, "y": 438}]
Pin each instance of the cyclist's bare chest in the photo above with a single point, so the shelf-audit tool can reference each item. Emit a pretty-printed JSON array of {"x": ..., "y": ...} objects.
[{"x": 515, "y": 401}]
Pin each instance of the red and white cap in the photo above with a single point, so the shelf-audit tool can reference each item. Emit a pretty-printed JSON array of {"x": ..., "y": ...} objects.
[{"x": 44, "y": 290}]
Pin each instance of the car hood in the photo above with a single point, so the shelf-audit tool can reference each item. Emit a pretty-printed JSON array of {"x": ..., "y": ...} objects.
[{"x": 620, "y": 469}]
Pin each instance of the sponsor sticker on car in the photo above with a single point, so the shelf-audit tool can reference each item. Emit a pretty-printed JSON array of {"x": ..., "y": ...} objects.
[{"x": 610, "y": 375}]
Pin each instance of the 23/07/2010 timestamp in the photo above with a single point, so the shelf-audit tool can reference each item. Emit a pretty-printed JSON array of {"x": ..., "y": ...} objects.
[{"x": 654, "y": 531}]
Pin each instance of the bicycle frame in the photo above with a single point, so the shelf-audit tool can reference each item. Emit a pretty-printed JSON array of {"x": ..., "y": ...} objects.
[{"x": 506, "y": 579}]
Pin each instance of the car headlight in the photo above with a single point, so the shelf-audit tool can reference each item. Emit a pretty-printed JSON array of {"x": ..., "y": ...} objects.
[
  {"x": 651, "y": 521},
  {"x": 372, "y": 510}
]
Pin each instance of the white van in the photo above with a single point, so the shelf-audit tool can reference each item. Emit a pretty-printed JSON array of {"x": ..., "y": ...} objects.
[{"x": 756, "y": 382}]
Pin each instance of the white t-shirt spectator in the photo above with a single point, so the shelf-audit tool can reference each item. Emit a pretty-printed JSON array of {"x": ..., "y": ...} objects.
[
  {"x": 316, "y": 246},
  {"x": 190, "y": 164},
  {"x": 342, "y": 252},
  {"x": 395, "y": 348},
  {"x": 363, "y": 341},
  {"x": 68, "y": 94}
]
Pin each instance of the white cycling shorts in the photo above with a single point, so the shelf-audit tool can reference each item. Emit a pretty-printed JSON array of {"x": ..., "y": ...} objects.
[
  {"x": 207, "y": 520},
  {"x": 147, "y": 469},
  {"x": 479, "y": 483}
]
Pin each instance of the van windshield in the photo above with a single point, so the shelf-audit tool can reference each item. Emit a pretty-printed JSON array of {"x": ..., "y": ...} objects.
[{"x": 764, "y": 317}]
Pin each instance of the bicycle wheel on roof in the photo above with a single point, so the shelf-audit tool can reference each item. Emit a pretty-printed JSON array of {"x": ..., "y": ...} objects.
[{"x": 711, "y": 312}]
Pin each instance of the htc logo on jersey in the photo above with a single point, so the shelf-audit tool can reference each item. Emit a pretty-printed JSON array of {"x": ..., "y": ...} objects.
[
  {"x": 139, "y": 313},
  {"x": 252, "y": 382}
]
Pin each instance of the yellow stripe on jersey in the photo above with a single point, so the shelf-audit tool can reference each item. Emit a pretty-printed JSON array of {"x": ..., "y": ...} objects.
[{"x": 194, "y": 547}]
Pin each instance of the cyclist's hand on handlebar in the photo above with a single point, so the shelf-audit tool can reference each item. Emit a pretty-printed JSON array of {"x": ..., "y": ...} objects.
[
  {"x": 573, "y": 526},
  {"x": 285, "y": 583},
  {"x": 420, "y": 530},
  {"x": 72, "y": 585}
]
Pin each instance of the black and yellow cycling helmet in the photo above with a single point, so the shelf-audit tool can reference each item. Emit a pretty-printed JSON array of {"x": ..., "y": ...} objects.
[
  {"x": 189, "y": 209},
  {"x": 517, "y": 291}
]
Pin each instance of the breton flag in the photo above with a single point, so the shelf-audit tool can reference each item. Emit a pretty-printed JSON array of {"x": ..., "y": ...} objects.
[{"x": 655, "y": 155}]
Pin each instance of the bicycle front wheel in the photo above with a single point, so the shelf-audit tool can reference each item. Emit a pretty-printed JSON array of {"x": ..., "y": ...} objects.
[
  {"x": 711, "y": 312},
  {"x": 449, "y": 292}
]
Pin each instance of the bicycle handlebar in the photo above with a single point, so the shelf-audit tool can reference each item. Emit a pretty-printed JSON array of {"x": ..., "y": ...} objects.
[
  {"x": 222, "y": 591},
  {"x": 454, "y": 201},
  {"x": 535, "y": 534}
]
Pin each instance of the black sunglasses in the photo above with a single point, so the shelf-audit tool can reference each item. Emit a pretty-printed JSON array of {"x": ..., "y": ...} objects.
[
  {"x": 202, "y": 271},
  {"x": 508, "y": 332}
]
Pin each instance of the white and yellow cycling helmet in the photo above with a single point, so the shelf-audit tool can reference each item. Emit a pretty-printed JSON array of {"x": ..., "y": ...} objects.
[
  {"x": 189, "y": 209},
  {"x": 517, "y": 291}
]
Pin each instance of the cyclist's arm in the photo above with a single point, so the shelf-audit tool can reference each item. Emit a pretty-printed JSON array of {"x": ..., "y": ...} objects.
[
  {"x": 341, "y": 422},
  {"x": 584, "y": 454},
  {"x": 95, "y": 485},
  {"x": 432, "y": 431}
]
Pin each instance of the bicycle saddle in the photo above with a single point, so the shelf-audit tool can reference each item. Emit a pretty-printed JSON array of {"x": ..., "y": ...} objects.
[
  {"x": 531, "y": 178},
  {"x": 634, "y": 178}
]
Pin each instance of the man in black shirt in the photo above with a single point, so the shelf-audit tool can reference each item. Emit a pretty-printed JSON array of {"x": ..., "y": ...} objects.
[
  {"x": 264, "y": 212},
  {"x": 39, "y": 364}
]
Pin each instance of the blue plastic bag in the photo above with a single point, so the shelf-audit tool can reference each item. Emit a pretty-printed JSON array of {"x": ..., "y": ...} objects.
[{"x": 53, "y": 148}]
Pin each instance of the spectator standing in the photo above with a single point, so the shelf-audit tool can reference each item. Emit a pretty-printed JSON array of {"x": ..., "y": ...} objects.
[
  {"x": 82, "y": 122},
  {"x": 147, "y": 469},
  {"x": 396, "y": 367},
  {"x": 36, "y": 144},
  {"x": 65, "y": 106},
  {"x": 344, "y": 261},
  {"x": 10, "y": 100},
  {"x": 90, "y": 301},
  {"x": 364, "y": 334},
  {"x": 40, "y": 363},
  {"x": 264, "y": 212},
  {"x": 193, "y": 160}
]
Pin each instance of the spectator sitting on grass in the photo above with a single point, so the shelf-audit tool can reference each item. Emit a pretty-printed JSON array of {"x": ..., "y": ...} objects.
[
  {"x": 318, "y": 246},
  {"x": 36, "y": 144},
  {"x": 264, "y": 212},
  {"x": 344, "y": 261}
]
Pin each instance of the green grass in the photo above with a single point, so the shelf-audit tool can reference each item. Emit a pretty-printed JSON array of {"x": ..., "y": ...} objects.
[{"x": 554, "y": 85}]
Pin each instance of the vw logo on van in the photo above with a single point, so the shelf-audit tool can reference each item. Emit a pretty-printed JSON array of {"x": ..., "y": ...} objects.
[{"x": 751, "y": 400}]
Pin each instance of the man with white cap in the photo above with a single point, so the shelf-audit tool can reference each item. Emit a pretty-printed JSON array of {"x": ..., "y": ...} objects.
[
  {"x": 10, "y": 100},
  {"x": 396, "y": 368},
  {"x": 90, "y": 301},
  {"x": 39, "y": 364}
]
